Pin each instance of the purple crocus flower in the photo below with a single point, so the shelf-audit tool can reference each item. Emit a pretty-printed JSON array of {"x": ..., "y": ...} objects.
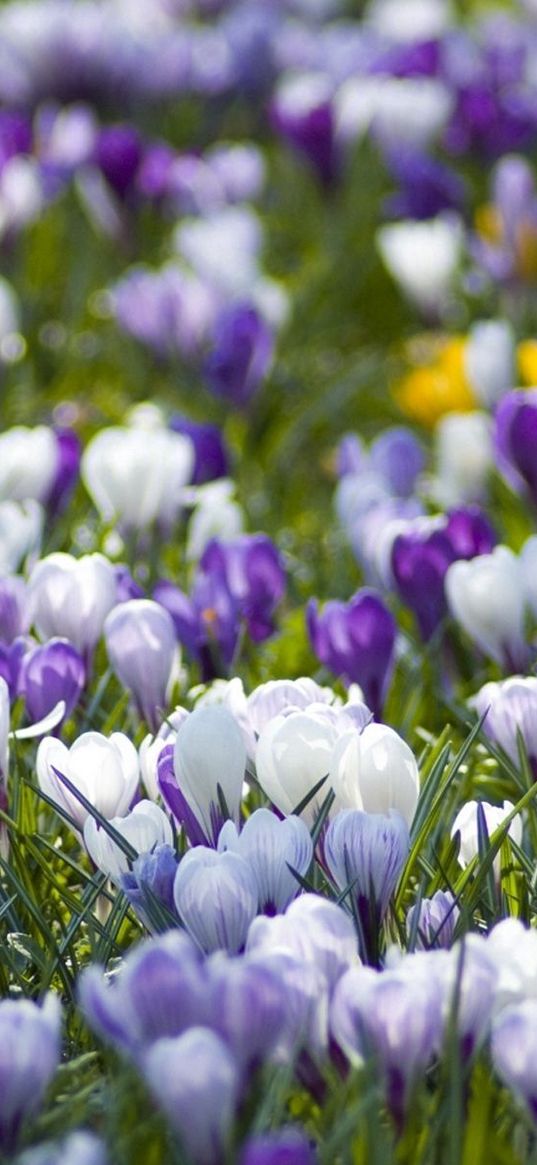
[
  {"x": 151, "y": 877},
  {"x": 302, "y": 113},
  {"x": 437, "y": 919},
  {"x": 419, "y": 562},
  {"x": 426, "y": 187},
  {"x": 516, "y": 437},
  {"x": 273, "y": 849},
  {"x": 285, "y": 1147},
  {"x": 365, "y": 854},
  {"x": 14, "y": 613},
  {"x": 211, "y": 458},
  {"x": 470, "y": 532},
  {"x": 510, "y": 710},
  {"x": 216, "y": 898},
  {"x": 238, "y": 584},
  {"x": 241, "y": 354},
  {"x": 195, "y": 1080},
  {"x": 161, "y": 990},
  {"x": 11, "y": 657},
  {"x": 30, "y": 1042},
  {"x": 67, "y": 470},
  {"x": 356, "y": 640},
  {"x": 15, "y": 135},
  {"x": 118, "y": 155},
  {"x": 49, "y": 673},
  {"x": 126, "y": 586}
]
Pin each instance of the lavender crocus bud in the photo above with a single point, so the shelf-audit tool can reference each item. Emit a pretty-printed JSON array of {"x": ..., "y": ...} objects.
[
  {"x": 394, "y": 1016},
  {"x": 399, "y": 457},
  {"x": 71, "y": 598},
  {"x": 365, "y": 854},
  {"x": 195, "y": 1081},
  {"x": 466, "y": 824},
  {"x": 436, "y": 921},
  {"x": 105, "y": 770},
  {"x": 514, "y": 1051},
  {"x": 216, "y": 898},
  {"x": 21, "y": 528},
  {"x": 285, "y": 1147},
  {"x": 118, "y": 154},
  {"x": 302, "y": 113},
  {"x": 356, "y": 640},
  {"x": 202, "y": 784},
  {"x": 273, "y": 849},
  {"x": 161, "y": 990},
  {"x": 142, "y": 649},
  {"x": 487, "y": 598},
  {"x": 28, "y": 460},
  {"x": 293, "y": 755},
  {"x": 510, "y": 710},
  {"x": 68, "y": 453},
  {"x": 516, "y": 438},
  {"x": 274, "y": 697},
  {"x": 470, "y": 986},
  {"x": 136, "y": 476},
  {"x": 30, "y": 1040},
  {"x": 249, "y": 1007},
  {"x": 52, "y": 672},
  {"x": 376, "y": 771},
  {"x": 489, "y": 360},
  {"x": 14, "y": 616},
  {"x": 151, "y": 878},
  {"x": 145, "y": 828},
  {"x": 312, "y": 931}
]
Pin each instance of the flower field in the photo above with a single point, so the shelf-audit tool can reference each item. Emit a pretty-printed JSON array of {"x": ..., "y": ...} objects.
[{"x": 268, "y": 582}]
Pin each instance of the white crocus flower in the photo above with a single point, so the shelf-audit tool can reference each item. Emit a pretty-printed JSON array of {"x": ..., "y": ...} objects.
[
  {"x": 71, "y": 597},
  {"x": 145, "y": 827},
  {"x": 466, "y": 825},
  {"x": 104, "y": 770},
  {"x": 423, "y": 258},
  {"x": 375, "y": 770},
  {"x": 294, "y": 753},
  {"x": 28, "y": 462},
  {"x": 21, "y": 528},
  {"x": 487, "y": 597},
  {"x": 216, "y": 515},
  {"x": 489, "y": 360},
  {"x": 137, "y": 476},
  {"x": 464, "y": 457}
]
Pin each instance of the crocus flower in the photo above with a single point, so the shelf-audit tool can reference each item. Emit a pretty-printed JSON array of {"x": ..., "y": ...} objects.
[
  {"x": 302, "y": 113},
  {"x": 273, "y": 849},
  {"x": 487, "y": 598},
  {"x": 216, "y": 898},
  {"x": 510, "y": 710},
  {"x": 145, "y": 828},
  {"x": 293, "y": 755},
  {"x": 14, "y": 615},
  {"x": 141, "y": 647},
  {"x": 68, "y": 453},
  {"x": 365, "y": 854},
  {"x": 313, "y": 931},
  {"x": 151, "y": 747},
  {"x": 162, "y": 990},
  {"x": 210, "y": 453},
  {"x": 250, "y": 1007},
  {"x": 356, "y": 640},
  {"x": 105, "y": 770},
  {"x": 464, "y": 457},
  {"x": 21, "y": 528},
  {"x": 195, "y": 1081},
  {"x": 52, "y": 672},
  {"x": 419, "y": 561},
  {"x": 437, "y": 918},
  {"x": 516, "y": 438},
  {"x": 285, "y": 1147},
  {"x": 489, "y": 359},
  {"x": 240, "y": 354},
  {"x": 376, "y": 771},
  {"x": 28, "y": 460},
  {"x": 30, "y": 1040},
  {"x": 514, "y": 1048},
  {"x": 151, "y": 878},
  {"x": 80, "y": 1148},
  {"x": 423, "y": 258},
  {"x": 399, "y": 457},
  {"x": 466, "y": 825},
  {"x": 136, "y": 476},
  {"x": 118, "y": 153},
  {"x": 71, "y": 598},
  {"x": 395, "y": 1017},
  {"x": 201, "y": 780}
]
